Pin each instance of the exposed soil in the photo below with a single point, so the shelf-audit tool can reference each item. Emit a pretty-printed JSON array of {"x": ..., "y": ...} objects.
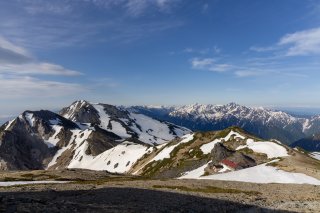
[
  {"x": 300, "y": 163},
  {"x": 102, "y": 192}
]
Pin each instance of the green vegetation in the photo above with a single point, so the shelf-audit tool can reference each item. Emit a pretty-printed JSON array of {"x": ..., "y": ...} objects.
[
  {"x": 108, "y": 180},
  {"x": 31, "y": 177},
  {"x": 208, "y": 189},
  {"x": 154, "y": 167},
  {"x": 39, "y": 176}
]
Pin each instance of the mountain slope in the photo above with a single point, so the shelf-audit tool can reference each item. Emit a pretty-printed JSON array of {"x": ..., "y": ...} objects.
[
  {"x": 206, "y": 154},
  {"x": 80, "y": 136},
  {"x": 310, "y": 143},
  {"x": 30, "y": 140},
  {"x": 262, "y": 122},
  {"x": 122, "y": 122}
]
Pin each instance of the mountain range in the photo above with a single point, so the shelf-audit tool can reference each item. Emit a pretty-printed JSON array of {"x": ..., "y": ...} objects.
[
  {"x": 265, "y": 123},
  {"x": 138, "y": 140},
  {"x": 82, "y": 131}
]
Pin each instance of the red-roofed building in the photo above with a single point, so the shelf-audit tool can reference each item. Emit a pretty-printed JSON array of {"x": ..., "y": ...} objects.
[{"x": 230, "y": 164}]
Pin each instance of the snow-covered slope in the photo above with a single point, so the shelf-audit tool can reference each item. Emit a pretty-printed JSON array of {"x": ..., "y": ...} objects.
[
  {"x": 84, "y": 135},
  {"x": 263, "y": 174},
  {"x": 165, "y": 153},
  {"x": 123, "y": 123},
  {"x": 28, "y": 141},
  {"x": 231, "y": 154},
  {"x": 271, "y": 149},
  {"x": 116, "y": 160},
  {"x": 262, "y": 122},
  {"x": 315, "y": 155}
]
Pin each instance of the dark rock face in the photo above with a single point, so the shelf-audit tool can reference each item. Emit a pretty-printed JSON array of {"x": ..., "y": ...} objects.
[
  {"x": 22, "y": 151},
  {"x": 100, "y": 141},
  {"x": 82, "y": 112},
  {"x": 220, "y": 152},
  {"x": 23, "y": 144},
  {"x": 311, "y": 144}
]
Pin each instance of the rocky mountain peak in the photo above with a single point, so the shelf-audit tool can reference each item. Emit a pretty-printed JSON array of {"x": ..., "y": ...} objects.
[{"x": 80, "y": 111}]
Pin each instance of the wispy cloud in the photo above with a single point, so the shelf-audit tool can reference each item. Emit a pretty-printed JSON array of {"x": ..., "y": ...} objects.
[
  {"x": 203, "y": 51},
  {"x": 256, "y": 71},
  {"x": 263, "y": 49},
  {"x": 10, "y": 53},
  {"x": 41, "y": 24},
  {"x": 17, "y": 60},
  {"x": 302, "y": 43},
  {"x": 38, "y": 68},
  {"x": 17, "y": 87},
  {"x": 209, "y": 64},
  {"x": 16, "y": 66},
  {"x": 136, "y": 7},
  {"x": 247, "y": 73}
]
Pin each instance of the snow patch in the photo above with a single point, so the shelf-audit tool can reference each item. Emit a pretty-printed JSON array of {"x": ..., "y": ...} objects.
[
  {"x": 104, "y": 117},
  {"x": 53, "y": 140},
  {"x": 165, "y": 153},
  {"x": 76, "y": 140},
  {"x": 29, "y": 117},
  {"x": 271, "y": 149},
  {"x": 315, "y": 155},
  {"x": 119, "y": 159},
  {"x": 118, "y": 129},
  {"x": 196, "y": 173},
  {"x": 206, "y": 148},
  {"x": 13, "y": 183},
  {"x": 9, "y": 124},
  {"x": 151, "y": 131},
  {"x": 264, "y": 174}
]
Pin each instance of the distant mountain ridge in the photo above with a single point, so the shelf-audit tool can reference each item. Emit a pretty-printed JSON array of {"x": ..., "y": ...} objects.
[
  {"x": 311, "y": 143},
  {"x": 265, "y": 123}
]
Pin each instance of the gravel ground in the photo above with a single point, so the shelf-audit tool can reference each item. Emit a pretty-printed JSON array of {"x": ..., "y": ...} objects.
[{"x": 119, "y": 195}]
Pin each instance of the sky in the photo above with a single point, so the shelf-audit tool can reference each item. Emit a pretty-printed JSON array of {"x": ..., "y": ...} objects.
[{"x": 159, "y": 52}]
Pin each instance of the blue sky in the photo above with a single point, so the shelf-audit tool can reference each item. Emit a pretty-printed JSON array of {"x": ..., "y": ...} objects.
[{"x": 253, "y": 52}]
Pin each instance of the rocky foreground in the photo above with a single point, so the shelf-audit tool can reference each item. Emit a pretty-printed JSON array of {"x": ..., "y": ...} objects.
[{"x": 91, "y": 191}]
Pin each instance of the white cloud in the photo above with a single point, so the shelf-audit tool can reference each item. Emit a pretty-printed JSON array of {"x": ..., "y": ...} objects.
[
  {"x": 221, "y": 67},
  {"x": 17, "y": 87},
  {"x": 17, "y": 60},
  {"x": 43, "y": 27},
  {"x": 209, "y": 64},
  {"x": 16, "y": 64},
  {"x": 5, "y": 44},
  {"x": 61, "y": 7},
  {"x": 10, "y": 53},
  {"x": 302, "y": 43},
  {"x": 263, "y": 49},
  {"x": 247, "y": 73},
  {"x": 203, "y": 51},
  {"x": 136, "y": 7},
  {"x": 37, "y": 68},
  {"x": 203, "y": 63}
]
